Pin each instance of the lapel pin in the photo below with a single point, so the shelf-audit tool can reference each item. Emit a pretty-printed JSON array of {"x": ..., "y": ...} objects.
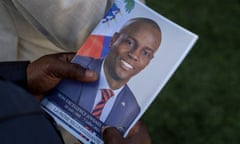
[{"x": 123, "y": 104}]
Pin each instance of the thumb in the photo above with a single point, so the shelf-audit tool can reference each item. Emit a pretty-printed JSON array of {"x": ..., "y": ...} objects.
[
  {"x": 77, "y": 72},
  {"x": 112, "y": 136}
]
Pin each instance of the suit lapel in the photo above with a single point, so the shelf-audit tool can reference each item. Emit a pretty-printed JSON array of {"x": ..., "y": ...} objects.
[
  {"x": 119, "y": 108},
  {"x": 89, "y": 90}
]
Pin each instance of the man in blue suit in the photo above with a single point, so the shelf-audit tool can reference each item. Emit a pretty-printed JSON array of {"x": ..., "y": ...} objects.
[{"x": 131, "y": 50}]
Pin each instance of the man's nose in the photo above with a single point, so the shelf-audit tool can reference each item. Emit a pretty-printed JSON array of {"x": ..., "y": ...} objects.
[{"x": 134, "y": 54}]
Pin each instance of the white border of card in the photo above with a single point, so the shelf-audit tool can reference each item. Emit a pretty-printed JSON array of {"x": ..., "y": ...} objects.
[{"x": 175, "y": 45}]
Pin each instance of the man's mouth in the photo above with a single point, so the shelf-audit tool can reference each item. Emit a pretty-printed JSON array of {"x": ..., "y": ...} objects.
[{"x": 127, "y": 64}]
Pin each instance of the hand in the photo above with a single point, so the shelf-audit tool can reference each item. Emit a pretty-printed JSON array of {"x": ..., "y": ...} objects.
[
  {"x": 46, "y": 72},
  {"x": 137, "y": 135}
]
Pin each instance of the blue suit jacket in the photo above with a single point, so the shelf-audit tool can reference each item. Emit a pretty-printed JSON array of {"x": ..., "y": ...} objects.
[{"x": 125, "y": 108}]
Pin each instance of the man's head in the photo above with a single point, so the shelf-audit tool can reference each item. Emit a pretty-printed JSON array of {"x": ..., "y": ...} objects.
[{"x": 131, "y": 49}]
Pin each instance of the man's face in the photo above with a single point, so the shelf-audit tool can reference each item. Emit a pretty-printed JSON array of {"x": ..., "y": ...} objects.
[{"x": 131, "y": 51}]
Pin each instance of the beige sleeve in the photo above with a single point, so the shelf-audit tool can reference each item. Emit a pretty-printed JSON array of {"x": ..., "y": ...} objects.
[
  {"x": 8, "y": 35},
  {"x": 64, "y": 22}
]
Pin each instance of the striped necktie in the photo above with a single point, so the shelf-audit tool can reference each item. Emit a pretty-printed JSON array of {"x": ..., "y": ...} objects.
[{"x": 106, "y": 95}]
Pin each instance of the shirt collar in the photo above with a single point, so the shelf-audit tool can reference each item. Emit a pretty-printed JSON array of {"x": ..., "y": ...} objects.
[{"x": 103, "y": 81}]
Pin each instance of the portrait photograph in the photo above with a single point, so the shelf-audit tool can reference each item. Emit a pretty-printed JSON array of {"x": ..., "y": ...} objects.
[{"x": 135, "y": 51}]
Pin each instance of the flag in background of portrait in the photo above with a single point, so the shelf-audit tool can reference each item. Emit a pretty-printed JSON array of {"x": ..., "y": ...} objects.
[{"x": 97, "y": 44}]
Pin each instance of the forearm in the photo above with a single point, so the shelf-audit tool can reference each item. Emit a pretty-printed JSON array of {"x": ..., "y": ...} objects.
[{"x": 15, "y": 72}]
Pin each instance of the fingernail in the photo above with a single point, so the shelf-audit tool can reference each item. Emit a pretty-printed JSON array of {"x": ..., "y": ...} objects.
[
  {"x": 90, "y": 73},
  {"x": 104, "y": 128}
]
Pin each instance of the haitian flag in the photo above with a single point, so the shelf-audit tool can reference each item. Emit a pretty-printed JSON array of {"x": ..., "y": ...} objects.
[{"x": 95, "y": 46}]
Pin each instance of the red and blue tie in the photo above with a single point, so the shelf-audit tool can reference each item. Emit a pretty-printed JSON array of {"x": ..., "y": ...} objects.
[{"x": 106, "y": 95}]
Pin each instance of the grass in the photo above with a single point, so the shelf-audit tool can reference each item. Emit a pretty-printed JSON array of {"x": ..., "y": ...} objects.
[{"x": 201, "y": 104}]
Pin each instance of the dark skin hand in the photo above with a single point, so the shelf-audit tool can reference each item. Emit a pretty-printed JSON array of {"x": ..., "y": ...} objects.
[
  {"x": 137, "y": 135},
  {"x": 46, "y": 72}
]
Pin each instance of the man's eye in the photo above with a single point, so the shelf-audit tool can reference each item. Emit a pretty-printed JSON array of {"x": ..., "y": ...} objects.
[
  {"x": 129, "y": 42},
  {"x": 146, "y": 54}
]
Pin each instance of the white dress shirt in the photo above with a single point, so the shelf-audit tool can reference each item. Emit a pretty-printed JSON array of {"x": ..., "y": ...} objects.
[{"x": 103, "y": 84}]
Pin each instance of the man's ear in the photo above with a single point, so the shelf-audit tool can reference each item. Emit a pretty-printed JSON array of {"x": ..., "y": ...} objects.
[{"x": 114, "y": 38}]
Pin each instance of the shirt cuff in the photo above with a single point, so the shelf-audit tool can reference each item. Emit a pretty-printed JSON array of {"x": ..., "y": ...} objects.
[{"x": 15, "y": 71}]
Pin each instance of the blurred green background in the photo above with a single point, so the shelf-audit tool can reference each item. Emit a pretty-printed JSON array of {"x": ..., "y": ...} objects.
[{"x": 201, "y": 102}]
